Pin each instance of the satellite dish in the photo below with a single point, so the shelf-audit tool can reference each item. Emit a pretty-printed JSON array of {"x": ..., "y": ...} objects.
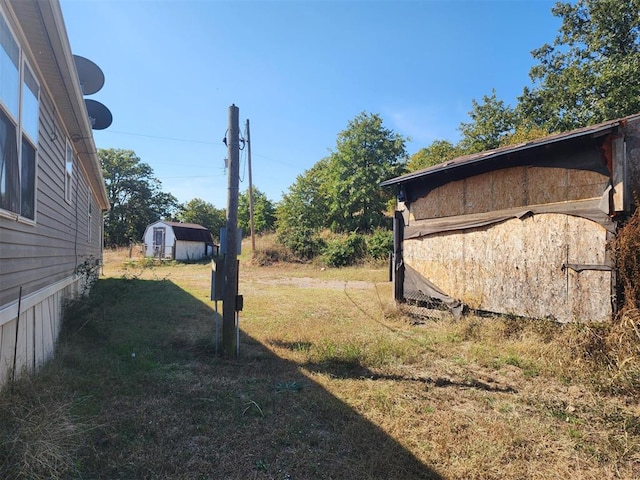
[
  {"x": 90, "y": 76},
  {"x": 99, "y": 116}
]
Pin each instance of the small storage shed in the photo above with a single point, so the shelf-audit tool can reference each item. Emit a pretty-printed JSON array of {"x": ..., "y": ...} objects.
[
  {"x": 522, "y": 229},
  {"x": 178, "y": 241}
]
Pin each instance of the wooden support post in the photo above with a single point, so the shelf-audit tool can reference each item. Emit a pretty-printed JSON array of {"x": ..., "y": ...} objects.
[
  {"x": 398, "y": 264},
  {"x": 229, "y": 346}
]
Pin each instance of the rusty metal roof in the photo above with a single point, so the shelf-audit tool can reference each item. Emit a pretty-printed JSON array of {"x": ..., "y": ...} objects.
[{"x": 512, "y": 150}]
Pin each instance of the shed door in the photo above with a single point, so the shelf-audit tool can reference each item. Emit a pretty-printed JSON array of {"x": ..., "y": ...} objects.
[{"x": 159, "y": 234}]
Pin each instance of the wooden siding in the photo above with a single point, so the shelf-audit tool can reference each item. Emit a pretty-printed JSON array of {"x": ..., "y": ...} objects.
[
  {"x": 33, "y": 256},
  {"x": 508, "y": 188},
  {"x": 516, "y": 267}
]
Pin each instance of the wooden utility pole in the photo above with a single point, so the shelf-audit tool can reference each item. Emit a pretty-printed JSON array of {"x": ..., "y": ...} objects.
[
  {"x": 253, "y": 230},
  {"x": 229, "y": 346}
]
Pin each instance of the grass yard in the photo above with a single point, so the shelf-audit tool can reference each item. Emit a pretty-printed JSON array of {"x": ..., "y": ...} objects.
[{"x": 332, "y": 382}]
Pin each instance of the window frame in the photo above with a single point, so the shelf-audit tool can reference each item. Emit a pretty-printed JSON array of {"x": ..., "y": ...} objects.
[{"x": 27, "y": 147}]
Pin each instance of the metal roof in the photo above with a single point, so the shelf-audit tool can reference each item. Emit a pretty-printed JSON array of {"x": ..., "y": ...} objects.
[
  {"x": 521, "y": 148},
  {"x": 190, "y": 232}
]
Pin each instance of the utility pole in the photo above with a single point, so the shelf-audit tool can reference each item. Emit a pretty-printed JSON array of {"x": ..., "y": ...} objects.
[
  {"x": 253, "y": 230},
  {"x": 229, "y": 346}
]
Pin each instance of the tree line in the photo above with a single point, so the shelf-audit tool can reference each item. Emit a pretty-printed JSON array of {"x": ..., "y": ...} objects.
[{"x": 588, "y": 74}]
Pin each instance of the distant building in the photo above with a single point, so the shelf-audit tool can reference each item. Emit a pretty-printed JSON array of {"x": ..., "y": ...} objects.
[{"x": 178, "y": 241}]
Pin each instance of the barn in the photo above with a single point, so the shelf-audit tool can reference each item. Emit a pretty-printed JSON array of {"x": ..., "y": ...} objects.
[
  {"x": 52, "y": 193},
  {"x": 520, "y": 230},
  {"x": 178, "y": 241}
]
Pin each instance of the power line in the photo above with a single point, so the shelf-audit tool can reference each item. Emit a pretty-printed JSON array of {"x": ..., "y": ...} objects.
[
  {"x": 159, "y": 137},
  {"x": 194, "y": 176}
]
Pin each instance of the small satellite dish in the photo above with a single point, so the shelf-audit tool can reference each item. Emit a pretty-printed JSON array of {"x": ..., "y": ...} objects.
[
  {"x": 90, "y": 76},
  {"x": 99, "y": 116}
]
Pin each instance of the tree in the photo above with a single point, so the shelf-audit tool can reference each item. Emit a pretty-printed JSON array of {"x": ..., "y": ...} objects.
[
  {"x": 523, "y": 133},
  {"x": 366, "y": 154},
  {"x": 203, "y": 213},
  {"x": 135, "y": 196},
  {"x": 590, "y": 73},
  {"x": 439, "y": 151},
  {"x": 492, "y": 121},
  {"x": 303, "y": 211},
  {"x": 264, "y": 212}
]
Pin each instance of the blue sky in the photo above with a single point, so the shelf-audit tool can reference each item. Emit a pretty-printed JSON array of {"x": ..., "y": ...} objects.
[{"x": 299, "y": 71}]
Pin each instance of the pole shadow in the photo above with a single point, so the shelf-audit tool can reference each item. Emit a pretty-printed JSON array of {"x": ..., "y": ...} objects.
[{"x": 140, "y": 363}]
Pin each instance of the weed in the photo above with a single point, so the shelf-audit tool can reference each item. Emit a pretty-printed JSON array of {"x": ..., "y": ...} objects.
[{"x": 40, "y": 436}]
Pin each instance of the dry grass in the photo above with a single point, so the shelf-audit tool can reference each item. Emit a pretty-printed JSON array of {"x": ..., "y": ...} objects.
[{"x": 332, "y": 382}]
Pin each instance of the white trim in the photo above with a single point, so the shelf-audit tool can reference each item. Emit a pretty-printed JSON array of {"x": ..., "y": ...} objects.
[{"x": 10, "y": 311}]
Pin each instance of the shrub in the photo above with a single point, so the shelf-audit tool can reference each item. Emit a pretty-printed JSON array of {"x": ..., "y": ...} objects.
[
  {"x": 380, "y": 244},
  {"x": 302, "y": 241},
  {"x": 344, "y": 251}
]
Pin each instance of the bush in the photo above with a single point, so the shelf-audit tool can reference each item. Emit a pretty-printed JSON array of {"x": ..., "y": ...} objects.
[
  {"x": 380, "y": 244},
  {"x": 342, "y": 252},
  {"x": 302, "y": 241}
]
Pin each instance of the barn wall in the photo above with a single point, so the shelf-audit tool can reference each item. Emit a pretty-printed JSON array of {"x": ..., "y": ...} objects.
[
  {"x": 515, "y": 267},
  {"x": 509, "y": 188},
  {"x": 169, "y": 240},
  {"x": 189, "y": 250}
]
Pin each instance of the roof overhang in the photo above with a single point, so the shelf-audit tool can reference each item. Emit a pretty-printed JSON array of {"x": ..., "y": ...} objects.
[
  {"x": 45, "y": 39},
  {"x": 513, "y": 155}
]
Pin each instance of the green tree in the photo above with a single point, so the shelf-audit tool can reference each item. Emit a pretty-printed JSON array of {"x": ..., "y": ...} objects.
[
  {"x": 590, "y": 73},
  {"x": 203, "y": 213},
  {"x": 439, "y": 151},
  {"x": 303, "y": 211},
  {"x": 524, "y": 133},
  {"x": 264, "y": 212},
  {"x": 135, "y": 196},
  {"x": 366, "y": 154},
  {"x": 492, "y": 121}
]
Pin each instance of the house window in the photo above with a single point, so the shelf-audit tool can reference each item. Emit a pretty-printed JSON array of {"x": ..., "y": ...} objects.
[
  {"x": 68, "y": 173},
  {"x": 19, "y": 110}
]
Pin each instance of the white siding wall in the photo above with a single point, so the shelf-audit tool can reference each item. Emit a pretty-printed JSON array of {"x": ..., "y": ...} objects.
[{"x": 189, "y": 250}]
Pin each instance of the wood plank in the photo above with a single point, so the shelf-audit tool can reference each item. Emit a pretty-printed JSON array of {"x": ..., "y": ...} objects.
[
  {"x": 621, "y": 199},
  {"x": 451, "y": 198},
  {"x": 39, "y": 338},
  {"x": 6, "y": 350},
  {"x": 509, "y": 188},
  {"x": 546, "y": 185},
  {"x": 478, "y": 193},
  {"x": 21, "y": 362}
]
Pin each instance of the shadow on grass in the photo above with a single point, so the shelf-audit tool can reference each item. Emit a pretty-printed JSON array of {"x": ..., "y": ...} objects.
[
  {"x": 354, "y": 370},
  {"x": 138, "y": 362}
]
